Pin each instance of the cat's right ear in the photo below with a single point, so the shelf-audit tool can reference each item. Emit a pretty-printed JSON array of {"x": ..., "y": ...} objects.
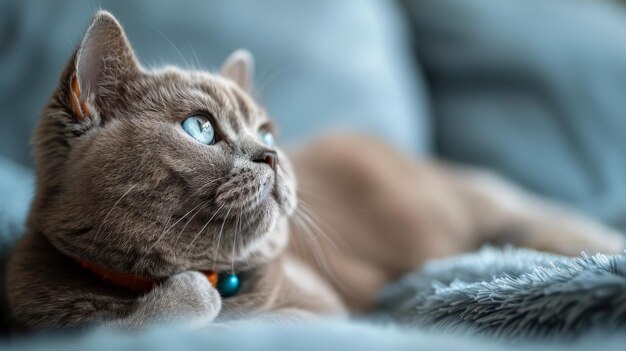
[
  {"x": 103, "y": 60},
  {"x": 239, "y": 67}
]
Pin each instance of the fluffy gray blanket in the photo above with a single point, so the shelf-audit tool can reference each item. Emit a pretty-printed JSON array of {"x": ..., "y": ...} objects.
[{"x": 513, "y": 293}]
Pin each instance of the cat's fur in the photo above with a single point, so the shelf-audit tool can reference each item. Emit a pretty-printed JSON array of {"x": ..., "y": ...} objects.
[
  {"x": 385, "y": 213},
  {"x": 121, "y": 185}
]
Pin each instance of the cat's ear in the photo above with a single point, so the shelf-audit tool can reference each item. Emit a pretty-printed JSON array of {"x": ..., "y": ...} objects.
[
  {"x": 239, "y": 67},
  {"x": 103, "y": 59}
]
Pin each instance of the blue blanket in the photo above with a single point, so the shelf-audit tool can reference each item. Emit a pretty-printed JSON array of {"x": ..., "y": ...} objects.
[
  {"x": 324, "y": 335},
  {"x": 513, "y": 293}
]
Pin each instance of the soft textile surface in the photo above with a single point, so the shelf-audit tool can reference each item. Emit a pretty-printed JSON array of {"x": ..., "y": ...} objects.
[
  {"x": 16, "y": 187},
  {"x": 514, "y": 293},
  {"x": 535, "y": 89},
  {"x": 320, "y": 64},
  {"x": 323, "y": 335}
]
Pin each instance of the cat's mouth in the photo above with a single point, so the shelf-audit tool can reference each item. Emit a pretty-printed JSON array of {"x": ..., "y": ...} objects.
[
  {"x": 252, "y": 199},
  {"x": 245, "y": 194}
]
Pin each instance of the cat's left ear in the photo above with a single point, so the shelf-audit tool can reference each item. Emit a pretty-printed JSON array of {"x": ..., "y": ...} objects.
[
  {"x": 103, "y": 61},
  {"x": 239, "y": 67}
]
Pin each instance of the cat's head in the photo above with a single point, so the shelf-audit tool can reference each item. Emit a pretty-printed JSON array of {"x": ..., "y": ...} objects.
[{"x": 158, "y": 171}]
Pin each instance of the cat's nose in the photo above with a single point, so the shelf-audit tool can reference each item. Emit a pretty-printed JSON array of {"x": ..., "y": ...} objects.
[{"x": 270, "y": 157}]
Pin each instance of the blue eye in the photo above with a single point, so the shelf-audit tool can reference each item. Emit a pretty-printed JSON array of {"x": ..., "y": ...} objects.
[
  {"x": 266, "y": 137},
  {"x": 200, "y": 128}
]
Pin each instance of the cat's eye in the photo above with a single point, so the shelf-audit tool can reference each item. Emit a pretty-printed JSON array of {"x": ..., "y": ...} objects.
[
  {"x": 200, "y": 128},
  {"x": 266, "y": 137}
]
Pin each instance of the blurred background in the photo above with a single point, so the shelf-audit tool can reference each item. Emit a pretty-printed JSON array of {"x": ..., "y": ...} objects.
[{"x": 533, "y": 89}]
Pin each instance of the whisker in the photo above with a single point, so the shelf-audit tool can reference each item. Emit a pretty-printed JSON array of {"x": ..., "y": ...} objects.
[
  {"x": 317, "y": 250},
  {"x": 245, "y": 223},
  {"x": 232, "y": 256},
  {"x": 167, "y": 229},
  {"x": 186, "y": 224},
  {"x": 305, "y": 212},
  {"x": 109, "y": 213},
  {"x": 219, "y": 237},
  {"x": 195, "y": 55},
  {"x": 211, "y": 182},
  {"x": 203, "y": 227},
  {"x": 267, "y": 77},
  {"x": 317, "y": 194},
  {"x": 311, "y": 238},
  {"x": 241, "y": 248},
  {"x": 173, "y": 46}
]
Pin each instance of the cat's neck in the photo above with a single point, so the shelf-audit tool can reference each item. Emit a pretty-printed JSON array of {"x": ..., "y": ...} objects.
[{"x": 131, "y": 281}]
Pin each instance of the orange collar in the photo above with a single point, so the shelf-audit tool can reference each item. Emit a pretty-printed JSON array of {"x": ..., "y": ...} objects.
[{"x": 133, "y": 282}]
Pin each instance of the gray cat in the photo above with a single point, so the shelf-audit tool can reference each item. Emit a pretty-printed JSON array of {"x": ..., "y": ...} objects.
[
  {"x": 163, "y": 174},
  {"x": 150, "y": 184}
]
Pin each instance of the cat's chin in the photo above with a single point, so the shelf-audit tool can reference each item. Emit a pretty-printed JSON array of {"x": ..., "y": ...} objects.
[
  {"x": 243, "y": 249},
  {"x": 265, "y": 247}
]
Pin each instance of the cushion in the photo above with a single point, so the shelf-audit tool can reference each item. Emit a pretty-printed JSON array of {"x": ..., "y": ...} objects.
[
  {"x": 16, "y": 189},
  {"x": 320, "y": 65},
  {"x": 534, "y": 89},
  {"x": 322, "y": 335}
]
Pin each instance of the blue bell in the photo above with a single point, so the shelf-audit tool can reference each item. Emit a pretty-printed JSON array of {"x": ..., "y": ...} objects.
[{"x": 228, "y": 284}]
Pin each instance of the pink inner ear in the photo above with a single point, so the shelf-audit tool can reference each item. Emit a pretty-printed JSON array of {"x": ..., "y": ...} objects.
[
  {"x": 103, "y": 59},
  {"x": 95, "y": 49},
  {"x": 79, "y": 107},
  {"x": 77, "y": 110}
]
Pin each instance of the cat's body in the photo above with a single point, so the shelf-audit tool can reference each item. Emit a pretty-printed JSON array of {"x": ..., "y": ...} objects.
[
  {"x": 123, "y": 186},
  {"x": 383, "y": 213}
]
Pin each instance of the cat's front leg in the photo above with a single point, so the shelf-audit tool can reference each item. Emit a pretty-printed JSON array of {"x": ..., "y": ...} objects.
[{"x": 186, "y": 297}]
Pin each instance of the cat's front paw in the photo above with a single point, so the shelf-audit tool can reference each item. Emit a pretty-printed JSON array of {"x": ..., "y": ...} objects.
[{"x": 188, "y": 297}]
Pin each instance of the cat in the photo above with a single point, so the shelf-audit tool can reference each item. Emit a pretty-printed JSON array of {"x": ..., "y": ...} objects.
[
  {"x": 151, "y": 181},
  {"x": 125, "y": 182}
]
